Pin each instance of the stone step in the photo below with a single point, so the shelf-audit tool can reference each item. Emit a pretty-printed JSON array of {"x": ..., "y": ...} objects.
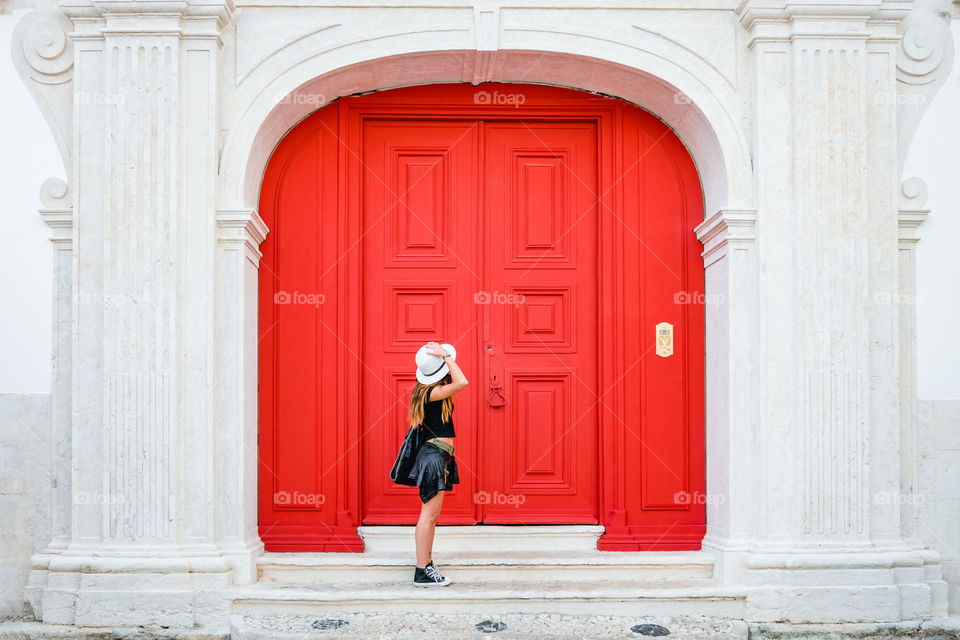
[
  {"x": 607, "y": 597},
  {"x": 377, "y": 626},
  {"x": 485, "y": 538},
  {"x": 505, "y": 566}
]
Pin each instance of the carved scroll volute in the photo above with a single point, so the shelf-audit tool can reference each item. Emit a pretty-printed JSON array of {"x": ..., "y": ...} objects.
[
  {"x": 925, "y": 46},
  {"x": 924, "y": 60},
  {"x": 43, "y": 55}
]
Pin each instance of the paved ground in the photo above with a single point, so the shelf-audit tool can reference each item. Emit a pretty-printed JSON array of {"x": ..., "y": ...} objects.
[
  {"x": 504, "y": 627},
  {"x": 394, "y": 626}
]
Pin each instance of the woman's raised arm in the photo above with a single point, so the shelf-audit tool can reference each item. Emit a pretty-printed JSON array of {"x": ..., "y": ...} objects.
[{"x": 459, "y": 380}]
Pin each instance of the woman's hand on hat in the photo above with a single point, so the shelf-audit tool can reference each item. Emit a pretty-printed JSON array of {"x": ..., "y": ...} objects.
[{"x": 435, "y": 349}]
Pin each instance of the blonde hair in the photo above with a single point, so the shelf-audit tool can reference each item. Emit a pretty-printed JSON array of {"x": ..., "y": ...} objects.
[{"x": 417, "y": 397}]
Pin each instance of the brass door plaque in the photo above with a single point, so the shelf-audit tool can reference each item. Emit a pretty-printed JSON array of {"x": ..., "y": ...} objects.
[{"x": 664, "y": 339}]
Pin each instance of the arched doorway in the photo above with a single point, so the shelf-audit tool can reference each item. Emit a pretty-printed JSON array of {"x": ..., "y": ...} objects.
[{"x": 547, "y": 233}]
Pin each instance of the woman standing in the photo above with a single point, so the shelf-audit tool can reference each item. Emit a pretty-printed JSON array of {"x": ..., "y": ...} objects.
[{"x": 435, "y": 469}]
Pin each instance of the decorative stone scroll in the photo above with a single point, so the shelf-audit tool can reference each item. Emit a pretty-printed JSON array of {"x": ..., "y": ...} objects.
[{"x": 43, "y": 56}]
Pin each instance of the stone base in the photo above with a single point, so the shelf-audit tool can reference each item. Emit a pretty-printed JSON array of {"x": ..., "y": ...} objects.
[
  {"x": 871, "y": 585},
  {"x": 155, "y": 592},
  {"x": 931, "y": 629},
  {"x": 42, "y": 631}
]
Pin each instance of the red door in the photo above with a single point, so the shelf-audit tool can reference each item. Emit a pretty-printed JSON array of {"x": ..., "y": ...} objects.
[
  {"x": 540, "y": 321},
  {"x": 551, "y": 240},
  {"x": 483, "y": 234},
  {"x": 420, "y": 253}
]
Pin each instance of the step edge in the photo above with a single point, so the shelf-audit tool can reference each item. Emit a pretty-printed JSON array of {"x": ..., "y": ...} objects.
[
  {"x": 651, "y": 558},
  {"x": 395, "y": 592}
]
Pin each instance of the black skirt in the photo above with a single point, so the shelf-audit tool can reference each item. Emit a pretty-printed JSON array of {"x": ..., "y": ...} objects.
[{"x": 434, "y": 470}]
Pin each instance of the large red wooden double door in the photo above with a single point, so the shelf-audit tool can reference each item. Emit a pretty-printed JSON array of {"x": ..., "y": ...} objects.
[
  {"x": 484, "y": 235},
  {"x": 551, "y": 244}
]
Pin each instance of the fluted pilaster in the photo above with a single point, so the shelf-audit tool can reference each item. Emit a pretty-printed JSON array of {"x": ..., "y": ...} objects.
[
  {"x": 145, "y": 533},
  {"x": 826, "y": 168}
]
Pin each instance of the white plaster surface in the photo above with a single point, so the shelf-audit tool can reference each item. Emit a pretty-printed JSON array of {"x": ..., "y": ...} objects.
[
  {"x": 29, "y": 156},
  {"x": 24, "y": 491},
  {"x": 935, "y": 155},
  {"x": 939, "y": 505}
]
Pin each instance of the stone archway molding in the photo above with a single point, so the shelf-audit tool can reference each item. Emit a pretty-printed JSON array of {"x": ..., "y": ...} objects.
[{"x": 703, "y": 110}]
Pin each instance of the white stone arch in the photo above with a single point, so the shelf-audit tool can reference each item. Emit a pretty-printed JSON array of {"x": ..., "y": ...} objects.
[
  {"x": 667, "y": 79},
  {"x": 678, "y": 86},
  {"x": 681, "y": 88}
]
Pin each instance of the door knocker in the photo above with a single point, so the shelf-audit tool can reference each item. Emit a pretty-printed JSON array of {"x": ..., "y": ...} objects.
[{"x": 496, "y": 397}]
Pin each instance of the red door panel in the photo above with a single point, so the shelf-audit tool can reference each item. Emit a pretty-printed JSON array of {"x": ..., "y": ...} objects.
[
  {"x": 299, "y": 299},
  {"x": 663, "y": 504},
  {"x": 541, "y": 323},
  {"x": 420, "y": 270}
]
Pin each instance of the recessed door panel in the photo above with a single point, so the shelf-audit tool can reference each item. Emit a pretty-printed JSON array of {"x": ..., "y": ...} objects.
[
  {"x": 420, "y": 265},
  {"x": 541, "y": 323}
]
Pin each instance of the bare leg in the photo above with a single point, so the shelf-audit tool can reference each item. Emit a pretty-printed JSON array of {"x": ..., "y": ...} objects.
[{"x": 426, "y": 525}]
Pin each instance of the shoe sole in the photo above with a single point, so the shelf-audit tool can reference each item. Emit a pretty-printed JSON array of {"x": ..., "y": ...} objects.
[{"x": 433, "y": 584}]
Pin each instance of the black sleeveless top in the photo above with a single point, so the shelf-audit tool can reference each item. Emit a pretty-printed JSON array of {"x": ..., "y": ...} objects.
[{"x": 433, "y": 424}]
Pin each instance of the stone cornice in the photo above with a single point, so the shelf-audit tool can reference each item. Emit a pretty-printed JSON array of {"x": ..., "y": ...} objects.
[
  {"x": 780, "y": 20},
  {"x": 242, "y": 226},
  {"x": 725, "y": 227},
  {"x": 219, "y": 10}
]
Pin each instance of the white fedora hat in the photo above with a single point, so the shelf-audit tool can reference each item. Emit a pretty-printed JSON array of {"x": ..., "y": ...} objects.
[{"x": 431, "y": 368}]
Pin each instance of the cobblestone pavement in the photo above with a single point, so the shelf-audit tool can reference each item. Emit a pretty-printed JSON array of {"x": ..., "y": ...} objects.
[{"x": 398, "y": 626}]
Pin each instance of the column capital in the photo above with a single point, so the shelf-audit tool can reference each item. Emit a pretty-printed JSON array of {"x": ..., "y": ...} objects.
[
  {"x": 242, "y": 226},
  {"x": 725, "y": 227},
  {"x": 913, "y": 210},
  {"x": 56, "y": 209},
  {"x": 785, "y": 20},
  {"x": 123, "y": 11}
]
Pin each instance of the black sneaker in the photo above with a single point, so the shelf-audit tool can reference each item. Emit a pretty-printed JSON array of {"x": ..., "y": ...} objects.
[{"x": 429, "y": 576}]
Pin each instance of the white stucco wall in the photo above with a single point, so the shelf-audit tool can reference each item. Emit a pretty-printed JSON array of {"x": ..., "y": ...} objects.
[
  {"x": 26, "y": 263},
  {"x": 29, "y": 157},
  {"x": 935, "y": 157}
]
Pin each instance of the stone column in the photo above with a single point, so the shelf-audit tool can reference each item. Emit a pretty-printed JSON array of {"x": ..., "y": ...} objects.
[
  {"x": 913, "y": 212},
  {"x": 146, "y": 543},
  {"x": 58, "y": 214},
  {"x": 730, "y": 279},
  {"x": 826, "y": 543},
  {"x": 239, "y": 235}
]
